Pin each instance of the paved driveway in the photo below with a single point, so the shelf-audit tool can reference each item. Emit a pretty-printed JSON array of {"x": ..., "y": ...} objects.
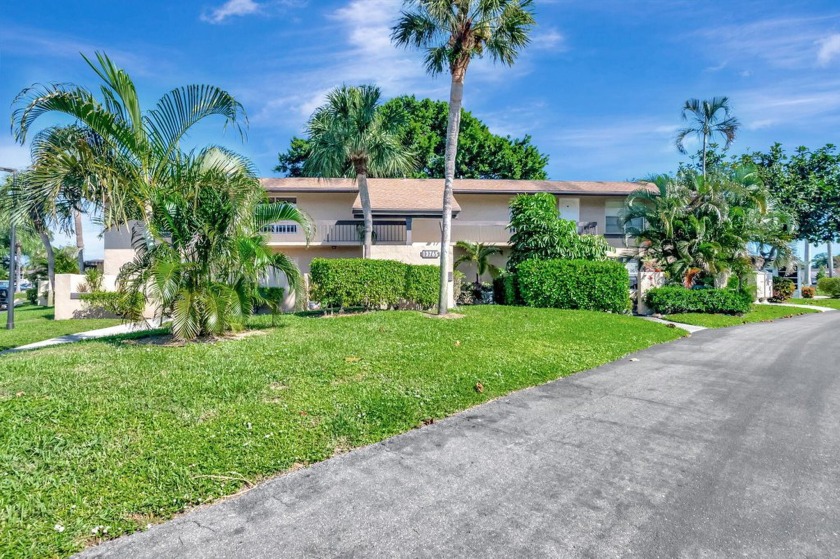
[{"x": 726, "y": 444}]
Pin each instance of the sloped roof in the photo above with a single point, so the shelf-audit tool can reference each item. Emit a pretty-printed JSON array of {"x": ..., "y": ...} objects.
[
  {"x": 409, "y": 197},
  {"x": 408, "y": 187}
]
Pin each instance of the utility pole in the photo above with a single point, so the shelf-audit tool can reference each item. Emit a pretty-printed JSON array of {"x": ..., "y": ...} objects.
[{"x": 10, "y": 302}]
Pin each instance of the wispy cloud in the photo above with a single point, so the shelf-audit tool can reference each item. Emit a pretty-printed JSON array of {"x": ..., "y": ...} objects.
[
  {"x": 229, "y": 9},
  {"x": 829, "y": 49},
  {"x": 789, "y": 42},
  {"x": 549, "y": 39},
  {"x": 238, "y": 8}
]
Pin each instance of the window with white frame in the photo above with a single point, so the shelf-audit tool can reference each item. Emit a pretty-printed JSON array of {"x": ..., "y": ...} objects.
[{"x": 613, "y": 224}]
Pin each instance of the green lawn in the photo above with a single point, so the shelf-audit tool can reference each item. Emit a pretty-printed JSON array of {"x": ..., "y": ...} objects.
[
  {"x": 759, "y": 313},
  {"x": 830, "y": 303},
  {"x": 120, "y": 434},
  {"x": 33, "y": 324}
]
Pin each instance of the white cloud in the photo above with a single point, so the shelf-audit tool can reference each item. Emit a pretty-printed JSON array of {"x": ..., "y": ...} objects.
[
  {"x": 829, "y": 48},
  {"x": 550, "y": 39},
  {"x": 229, "y": 9}
]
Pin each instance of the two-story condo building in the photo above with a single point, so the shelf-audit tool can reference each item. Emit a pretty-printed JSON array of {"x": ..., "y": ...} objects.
[{"x": 407, "y": 217}]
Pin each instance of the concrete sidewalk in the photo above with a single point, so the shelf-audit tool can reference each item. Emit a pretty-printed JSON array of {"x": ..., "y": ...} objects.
[
  {"x": 724, "y": 444},
  {"x": 796, "y": 306},
  {"x": 89, "y": 335}
]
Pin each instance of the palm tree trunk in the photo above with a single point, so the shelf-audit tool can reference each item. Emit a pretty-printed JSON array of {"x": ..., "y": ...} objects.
[
  {"x": 830, "y": 261},
  {"x": 456, "y": 98},
  {"x": 807, "y": 262},
  {"x": 45, "y": 238},
  {"x": 80, "y": 239},
  {"x": 704, "y": 156},
  {"x": 364, "y": 195}
]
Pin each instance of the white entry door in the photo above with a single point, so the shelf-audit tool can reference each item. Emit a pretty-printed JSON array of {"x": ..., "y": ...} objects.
[{"x": 569, "y": 208}]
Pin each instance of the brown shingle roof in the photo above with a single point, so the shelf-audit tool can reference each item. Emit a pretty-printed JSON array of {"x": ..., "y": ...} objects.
[
  {"x": 410, "y": 187},
  {"x": 405, "y": 197}
]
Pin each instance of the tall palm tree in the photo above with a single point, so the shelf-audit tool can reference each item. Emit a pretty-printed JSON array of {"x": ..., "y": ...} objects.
[
  {"x": 707, "y": 119},
  {"x": 131, "y": 151},
  {"x": 352, "y": 135},
  {"x": 453, "y": 32},
  {"x": 479, "y": 255}
]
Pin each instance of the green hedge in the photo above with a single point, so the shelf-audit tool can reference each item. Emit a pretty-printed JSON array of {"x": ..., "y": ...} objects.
[
  {"x": 355, "y": 282},
  {"x": 505, "y": 291},
  {"x": 829, "y": 286},
  {"x": 574, "y": 284},
  {"x": 676, "y": 299}
]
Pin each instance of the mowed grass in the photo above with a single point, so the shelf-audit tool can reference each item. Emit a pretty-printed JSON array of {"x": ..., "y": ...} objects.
[
  {"x": 759, "y": 313},
  {"x": 34, "y": 324},
  {"x": 830, "y": 303},
  {"x": 118, "y": 434}
]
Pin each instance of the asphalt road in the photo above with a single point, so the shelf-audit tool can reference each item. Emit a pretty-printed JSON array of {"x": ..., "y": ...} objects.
[{"x": 725, "y": 444}]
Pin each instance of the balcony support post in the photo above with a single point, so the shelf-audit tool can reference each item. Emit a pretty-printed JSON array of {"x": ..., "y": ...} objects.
[{"x": 408, "y": 230}]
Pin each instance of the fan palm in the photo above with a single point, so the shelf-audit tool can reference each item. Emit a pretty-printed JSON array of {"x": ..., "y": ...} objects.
[
  {"x": 131, "y": 151},
  {"x": 352, "y": 135},
  {"x": 708, "y": 118},
  {"x": 479, "y": 255},
  {"x": 453, "y": 32},
  {"x": 203, "y": 255}
]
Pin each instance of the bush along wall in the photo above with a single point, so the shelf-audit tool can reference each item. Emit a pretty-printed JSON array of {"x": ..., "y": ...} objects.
[
  {"x": 574, "y": 284},
  {"x": 372, "y": 284},
  {"x": 829, "y": 286},
  {"x": 677, "y": 299}
]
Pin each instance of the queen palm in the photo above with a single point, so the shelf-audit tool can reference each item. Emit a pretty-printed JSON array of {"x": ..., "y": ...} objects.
[
  {"x": 351, "y": 135},
  {"x": 478, "y": 254},
  {"x": 453, "y": 32},
  {"x": 133, "y": 150},
  {"x": 707, "y": 119}
]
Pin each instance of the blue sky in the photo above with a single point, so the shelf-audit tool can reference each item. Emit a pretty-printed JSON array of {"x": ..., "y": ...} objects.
[{"x": 600, "y": 88}]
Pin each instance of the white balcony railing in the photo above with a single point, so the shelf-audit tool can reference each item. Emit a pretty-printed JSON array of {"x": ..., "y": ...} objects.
[{"x": 338, "y": 232}]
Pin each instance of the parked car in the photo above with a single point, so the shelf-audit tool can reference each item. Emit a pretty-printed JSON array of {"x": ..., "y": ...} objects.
[{"x": 4, "y": 294}]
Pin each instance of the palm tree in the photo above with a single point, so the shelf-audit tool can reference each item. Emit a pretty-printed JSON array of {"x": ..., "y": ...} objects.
[
  {"x": 129, "y": 152},
  {"x": 479, "y": 255},
  {"x": 203, "y": 255},
  {"x": 708, "y": 118},
  {"x": 453, "y": 32},
  {"x": 352, "y": 135}
]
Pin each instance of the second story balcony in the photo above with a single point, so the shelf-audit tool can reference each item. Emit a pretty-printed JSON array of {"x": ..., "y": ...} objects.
[{"x": 345, "y": 233}]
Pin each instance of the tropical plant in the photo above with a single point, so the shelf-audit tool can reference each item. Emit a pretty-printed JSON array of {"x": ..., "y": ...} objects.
[
  {"x": 453, "y": 32},
  {"x": 478, "y": 255},
  {"x": 202, "y": 257},
  {"x": 538, "y": 232},
  {"x": 481, "y": 154},
  {"x": 698, "y": 227},
  {"x": 707, "y": 119},
  {"x": 128, "y": 153},
  {"x": 351, "y": 135}
]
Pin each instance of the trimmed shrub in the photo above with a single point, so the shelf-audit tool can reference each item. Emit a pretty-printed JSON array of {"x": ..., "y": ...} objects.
[
  {"x": 354, "y": 282},
  {"x": 574, "y": 284},
  {"x": 32, "y": 295},
  {"x": 422, "y": 285},
  {"x": 505, "y": 290},
  {"x": 783, "y": 289},
  {"x": 114, "y": 303},
  {"x": 808, "y": 292},
  {"x": 676, "y": 299},
  {"x": 829, "y": 286}
]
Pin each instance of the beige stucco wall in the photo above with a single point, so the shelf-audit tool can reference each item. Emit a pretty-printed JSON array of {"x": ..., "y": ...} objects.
[{"x": 327, "y": 206}]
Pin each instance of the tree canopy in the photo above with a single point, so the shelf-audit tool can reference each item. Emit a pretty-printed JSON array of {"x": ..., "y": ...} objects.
[{"x": 481, "y": 154}]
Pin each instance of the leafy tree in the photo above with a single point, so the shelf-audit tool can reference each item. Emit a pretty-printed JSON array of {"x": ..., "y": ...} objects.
[
  {"x": 537, "y": 231},
  {"x": 453, "y": 32},
  {"x": 478, "y": 254},
  {"x": 821, "y": 261},
  {"x": 422, "y": 131},
  {"x": 351, "y": 135},
  {"x": 807, "y": 186},
  {"x": 707, "y": 119},
  {"x": 203, "y": 254}
]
